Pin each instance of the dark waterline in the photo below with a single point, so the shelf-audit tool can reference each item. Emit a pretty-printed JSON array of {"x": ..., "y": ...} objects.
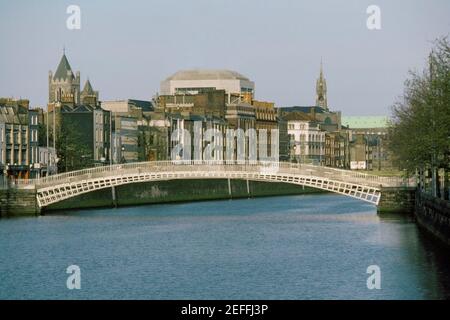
[{"x": 296, "y": 247}]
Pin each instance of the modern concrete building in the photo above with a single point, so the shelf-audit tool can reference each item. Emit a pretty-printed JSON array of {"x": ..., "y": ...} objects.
[{"x": 201, "y": 80}]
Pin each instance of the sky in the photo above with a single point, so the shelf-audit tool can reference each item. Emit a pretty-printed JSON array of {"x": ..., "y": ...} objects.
[{"x": 126, "y": 48}]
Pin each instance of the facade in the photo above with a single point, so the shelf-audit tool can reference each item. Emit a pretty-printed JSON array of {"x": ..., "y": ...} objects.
[
  {"x": 129, "y": 107},
  {"x": 307, "y": 139},
  {"x": 153, "y": 139},
  {"x": 267, "y": 121},
  {"x": 48, "y": 161},
  {"x": 126, "y": 135},
  {"x": 33, "y": 132},
  {"x": 14, "y": 138},
  {"x": 337, "y": 149},
  {"x": 361, "y": 153},
  {"x": 91, "y": 127},
  {"x": 374, "y": 130}
]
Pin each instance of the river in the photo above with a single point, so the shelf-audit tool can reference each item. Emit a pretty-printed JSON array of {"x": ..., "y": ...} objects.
[{"x": 290, "y": 247}]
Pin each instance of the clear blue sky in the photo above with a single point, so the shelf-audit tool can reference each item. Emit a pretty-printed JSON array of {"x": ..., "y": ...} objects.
[{"x": 127, "y": 47}]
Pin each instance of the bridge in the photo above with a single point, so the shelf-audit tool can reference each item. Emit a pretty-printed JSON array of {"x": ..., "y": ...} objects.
[{"x": 55, "y": 188}]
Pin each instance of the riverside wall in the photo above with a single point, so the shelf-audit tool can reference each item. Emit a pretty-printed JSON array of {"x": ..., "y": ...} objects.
[{"x": 433, "y": 215}]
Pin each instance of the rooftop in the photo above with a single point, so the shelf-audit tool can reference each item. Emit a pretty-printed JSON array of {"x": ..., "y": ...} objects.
[
  {"x": 63, "y": 68},
  {"x": 365, "y": 122},
  {"x": 207, "y": 74}
]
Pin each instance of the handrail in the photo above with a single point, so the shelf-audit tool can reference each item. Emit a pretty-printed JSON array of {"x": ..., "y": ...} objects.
[{"x": 217, "y": 165}]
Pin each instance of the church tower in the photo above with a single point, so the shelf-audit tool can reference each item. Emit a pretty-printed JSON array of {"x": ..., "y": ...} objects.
[
  {"x": 321, "y": 90},
  {"x": 88, "y": 95},
  {"x": 64, "y": 85}
]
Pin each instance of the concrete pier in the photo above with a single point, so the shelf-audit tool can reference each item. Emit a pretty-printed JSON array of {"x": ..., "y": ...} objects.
[
  {"x": 18, "y": 202},
  {"x": 397, "y": 200}
]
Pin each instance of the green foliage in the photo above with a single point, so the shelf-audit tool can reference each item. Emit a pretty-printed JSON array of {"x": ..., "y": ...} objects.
[
  {"x": 72, "y": 152},
  {"x": 420, "y": 128}
]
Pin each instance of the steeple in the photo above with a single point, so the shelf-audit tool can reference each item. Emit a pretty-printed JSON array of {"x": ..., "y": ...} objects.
[
  {"x": 321, "y": 89},
  {"x": 64, "y": 84},
  {"x": 88, "y": 95},
  {"x": 87, "y": 90},
  {"x": 64, "y": 70}
]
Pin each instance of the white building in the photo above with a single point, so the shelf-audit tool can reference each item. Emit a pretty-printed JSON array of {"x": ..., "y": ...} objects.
[
  {"x": 201, "y": 80},
  {"x": 307, "y": 139}
]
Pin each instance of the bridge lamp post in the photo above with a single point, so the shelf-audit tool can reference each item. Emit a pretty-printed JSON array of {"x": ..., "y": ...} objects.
[{"x": 122, "y": 160}]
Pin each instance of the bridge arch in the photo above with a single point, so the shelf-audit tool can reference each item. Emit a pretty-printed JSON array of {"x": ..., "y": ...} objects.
[{"x": 63, "y": 186}]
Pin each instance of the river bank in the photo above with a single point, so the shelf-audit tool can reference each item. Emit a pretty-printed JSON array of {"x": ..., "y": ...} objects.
[{"x": 433, "y": 215}]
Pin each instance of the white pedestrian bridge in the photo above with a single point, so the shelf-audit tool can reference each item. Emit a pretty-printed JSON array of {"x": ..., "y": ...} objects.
[{"x": 55, "y": 188}]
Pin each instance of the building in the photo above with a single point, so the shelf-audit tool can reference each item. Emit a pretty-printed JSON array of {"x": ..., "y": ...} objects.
[
  {"x": 337, "y": 153},
  {"x": 201, "y": 80},
  {"x": 329, "y": 120},
  {"x": 361, "y": 155},
  {"x": 33, "y": 138},
  {"x": 129, "y": 107},
  {"x": 77, "y": 127},
  {"x": 48, "y": 161},
  {"x": 307, "y": 139},
  {"x": 234, "y": 106},
  {"x": 375, "y": 132},
  {"x": 266, "y": 117},
  {"x": 64, "y": 84},
  {"x": 16, "y": 148},
  {"x": 125, "y": 129}
]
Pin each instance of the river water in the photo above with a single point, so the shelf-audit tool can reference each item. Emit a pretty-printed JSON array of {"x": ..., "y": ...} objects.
[{"x": 293, "y": 247}]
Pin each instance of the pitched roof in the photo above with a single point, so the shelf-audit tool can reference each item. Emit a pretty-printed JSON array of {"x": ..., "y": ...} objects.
[
  {"x": 297, "y": 116},
  {"x": 63, "y": 68},
  {"x": 87, "y": 90}
]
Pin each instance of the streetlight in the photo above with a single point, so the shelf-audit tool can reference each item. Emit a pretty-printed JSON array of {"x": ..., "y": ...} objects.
[{"x": 123, "y": 158}]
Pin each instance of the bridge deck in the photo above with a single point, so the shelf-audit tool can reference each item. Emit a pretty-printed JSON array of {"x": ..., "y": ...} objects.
[{"x": 58, "y": 187}]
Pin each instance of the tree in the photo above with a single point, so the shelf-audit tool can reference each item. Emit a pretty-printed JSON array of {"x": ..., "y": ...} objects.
[
  {"x": 420, "y": 128},
  {"x": 72, "y": 152}
]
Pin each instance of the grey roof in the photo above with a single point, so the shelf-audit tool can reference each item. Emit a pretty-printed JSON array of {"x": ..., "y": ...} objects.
[
  {"x": 63, "y": 67},
  {"x": 305, "y": 109},
  {"x": 144, "y": 105},
  {"x": 87, "y": 90},
  {"x": 206, "y": 74}
]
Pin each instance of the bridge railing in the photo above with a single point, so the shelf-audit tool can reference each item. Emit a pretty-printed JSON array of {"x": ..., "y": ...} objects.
[{"x": 264, "y": 167}]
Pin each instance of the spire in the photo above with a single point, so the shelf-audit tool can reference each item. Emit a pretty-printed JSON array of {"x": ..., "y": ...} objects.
[
  {"x": 62, "y": 72},
  {"x": 87, "y": 90},
  {"x": 321, "y": 89}
]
